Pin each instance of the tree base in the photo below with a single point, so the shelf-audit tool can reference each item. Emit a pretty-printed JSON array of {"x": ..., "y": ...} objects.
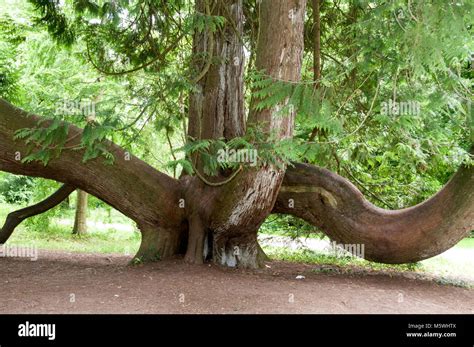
[
  {"x": 157, "y": 244},
  {"x": 242, "y": 252}
]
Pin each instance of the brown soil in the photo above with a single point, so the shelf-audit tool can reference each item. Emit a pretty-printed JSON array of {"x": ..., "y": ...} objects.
[{"x": 62, "y": 282}]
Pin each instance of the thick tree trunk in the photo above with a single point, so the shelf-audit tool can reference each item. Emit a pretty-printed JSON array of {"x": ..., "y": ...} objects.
[
  {"x": 216, "y": 107},
  {"x": 231, "y": 215},
  {"x": 80, "y": 220}
]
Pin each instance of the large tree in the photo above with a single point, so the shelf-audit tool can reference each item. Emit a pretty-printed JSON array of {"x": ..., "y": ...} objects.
[{"x": 216, "y": 214}]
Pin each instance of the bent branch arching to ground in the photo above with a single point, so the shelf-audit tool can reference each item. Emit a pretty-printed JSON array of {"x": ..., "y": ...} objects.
[
  {"x": 335, "y": 205},
  {"x": 16, "y": 217}
]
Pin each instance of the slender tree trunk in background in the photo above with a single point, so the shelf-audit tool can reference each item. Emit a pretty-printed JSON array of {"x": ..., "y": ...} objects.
[
  {"x": 316, "y": 41},
  {"x": 353, "y": 15},
  {"x": 80, "y": 221},
  {"x": 316, "y": 54}
]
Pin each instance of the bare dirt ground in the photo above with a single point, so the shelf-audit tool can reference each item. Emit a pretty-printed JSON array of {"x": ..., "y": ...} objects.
[{"x": 60, "y": 282}]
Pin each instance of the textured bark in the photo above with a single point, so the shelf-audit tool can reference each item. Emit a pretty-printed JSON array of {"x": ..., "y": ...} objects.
[
  {"x": 80, "y": 220},
  {"x": 197, "y": 236},
  {"x": 15, "y": 218},
  {"x": 159, "y": 243},
  {"x": 279, "y": 55},
  {"x": 216, "y": 106},
  {"x": 233, "y": 213},
  {"x": 332, "y": 203}
]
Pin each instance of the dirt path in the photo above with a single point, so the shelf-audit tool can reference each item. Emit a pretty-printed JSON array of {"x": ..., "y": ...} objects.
[{"x": 84, "y": 283}]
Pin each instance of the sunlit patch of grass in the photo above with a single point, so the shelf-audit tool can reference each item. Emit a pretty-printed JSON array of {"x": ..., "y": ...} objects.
[
  {"x": 454, "y": 269},
  {"x": 57, "y": 234},
  {"x": 60, "y": 238},
  {"x": 466, "y": 243}
]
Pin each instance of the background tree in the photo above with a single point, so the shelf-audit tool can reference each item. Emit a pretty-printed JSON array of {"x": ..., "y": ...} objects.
[{"x": 80, "y": 219}]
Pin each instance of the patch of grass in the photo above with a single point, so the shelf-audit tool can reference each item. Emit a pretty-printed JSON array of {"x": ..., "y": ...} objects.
[
  {"x": 60, "y": 238},
  {"x": 101, "y": 238},
  {"x": 5, "y": 209},
  {"x": 466, "y": 243},
  {"x": 460, "y": 269},
  {"x": 456, "y": 282},
  {"x": 289, "y": 226},
  {"x": 311, "y": 257}
]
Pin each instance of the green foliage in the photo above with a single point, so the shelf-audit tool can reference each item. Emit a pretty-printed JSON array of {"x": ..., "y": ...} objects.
[
  {"x": 184, "y": 164},
  {"x": 48, "y": 139},
  {"x": 55, "y": 20},
  {"x": 12, "y": 36},
  {"x": 255, "y": 149},
  {"x": 93, "y": 140},
  {"x": 201, "y": 22},
  {"x": 16, "y": 189},
  {"x": 207, "y": 152},
  {"x": 49, "y": 76},
  {"x": 286, "y": 225},
  {"x": 395, "y": 51},
  {"x": 334, "y": 264},
  {"x": 301, "y": 98}
]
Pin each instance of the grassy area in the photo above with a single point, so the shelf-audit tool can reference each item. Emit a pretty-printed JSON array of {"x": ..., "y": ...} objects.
[
  {"x": 311, "y": 257},
  {"x": 467, "y": 243},
  {"x": 59, "y": 237},
  {"x": 455, "y": 263},
  {"x": 108, "y": 232}
]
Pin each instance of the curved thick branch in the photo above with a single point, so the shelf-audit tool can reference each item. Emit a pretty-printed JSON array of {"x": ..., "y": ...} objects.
[
  {"x": 333, "y": 204},
  {"x": 16, "y": 217},
  {"x": 129, "y": 185}
]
